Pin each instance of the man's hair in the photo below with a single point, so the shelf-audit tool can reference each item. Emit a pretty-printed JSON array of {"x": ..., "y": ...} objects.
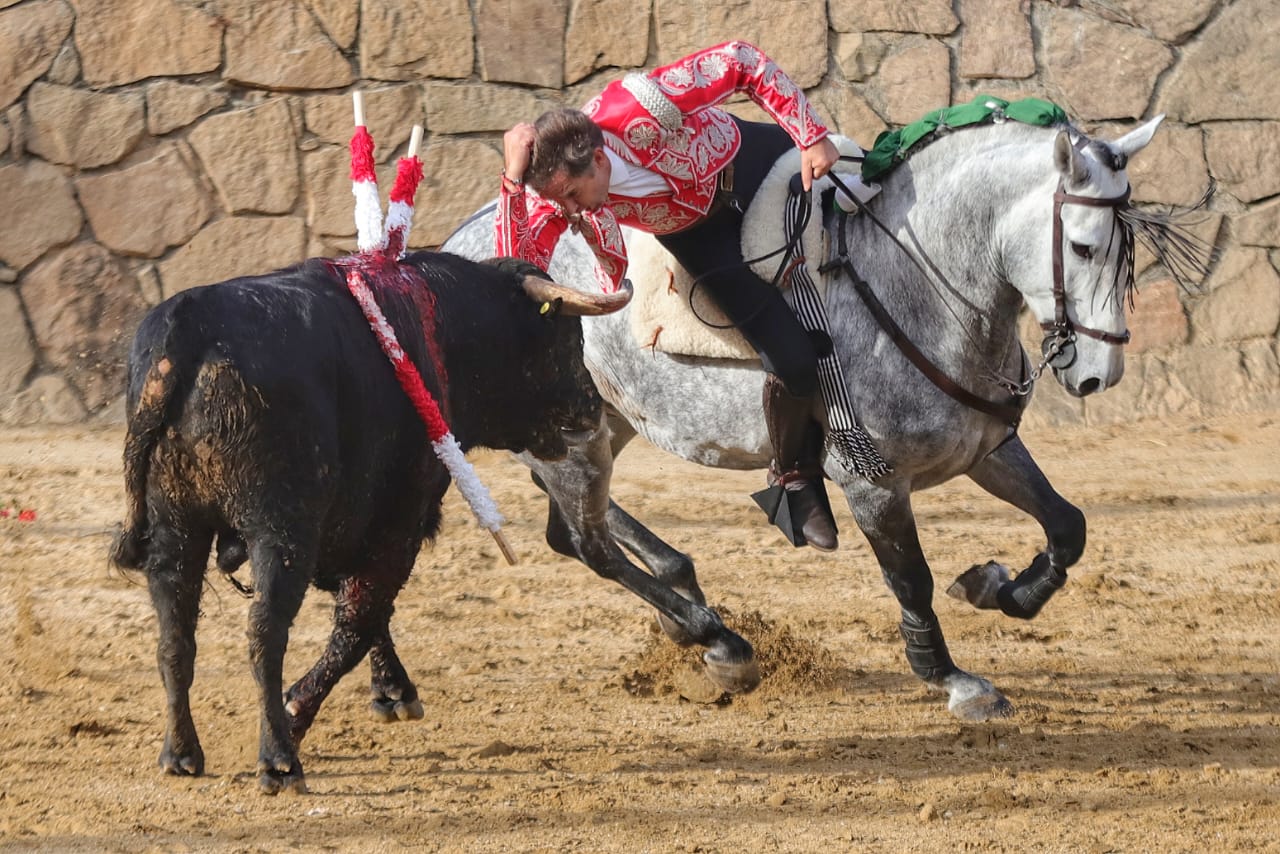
[{"x": 565, "y": 139}]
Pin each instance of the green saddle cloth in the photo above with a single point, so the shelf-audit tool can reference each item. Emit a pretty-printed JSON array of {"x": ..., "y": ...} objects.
[{"x": 892, "y": 147}]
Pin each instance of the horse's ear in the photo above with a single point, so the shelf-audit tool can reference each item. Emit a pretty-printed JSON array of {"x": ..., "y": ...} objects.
[
  {"x": 1136, "y": 140},
  {"x": 1069, "y": 161}
]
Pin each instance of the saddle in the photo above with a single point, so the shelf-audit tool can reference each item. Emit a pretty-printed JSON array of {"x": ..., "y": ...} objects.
[{"x": 669, "y": 315}]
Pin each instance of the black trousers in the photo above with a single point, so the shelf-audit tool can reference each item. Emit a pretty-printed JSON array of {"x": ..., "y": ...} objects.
[{"x": 711, "y": 250}]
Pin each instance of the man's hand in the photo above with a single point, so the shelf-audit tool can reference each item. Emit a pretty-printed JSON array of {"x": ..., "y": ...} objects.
[
  {"x": 517, "y": 150},
  {"x": 817, "y": 160}
]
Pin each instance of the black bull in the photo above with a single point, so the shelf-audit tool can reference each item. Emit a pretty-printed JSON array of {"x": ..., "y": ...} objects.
[{"x": 263, "y": 414}]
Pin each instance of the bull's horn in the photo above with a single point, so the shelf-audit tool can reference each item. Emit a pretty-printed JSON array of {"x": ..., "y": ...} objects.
[{"x": 574, "y": 302}]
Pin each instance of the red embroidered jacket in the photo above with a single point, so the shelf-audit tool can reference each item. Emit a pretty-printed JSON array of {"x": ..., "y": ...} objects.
[{"x": 665, "y": 121}]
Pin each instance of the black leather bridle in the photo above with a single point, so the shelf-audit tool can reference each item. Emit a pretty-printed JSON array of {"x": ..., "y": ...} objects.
[{"x": 1058, "y": 347}]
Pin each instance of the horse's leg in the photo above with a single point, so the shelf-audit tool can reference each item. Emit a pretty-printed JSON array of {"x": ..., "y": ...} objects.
[
  {"x": 889, "y": 525},
  {"x": 673, "y": 567},
  {"x": 579, "y": 489},
  {"x": 559, "y": 537},
  {"x": 666, "y": 563},
  {"x": 1010, "y": 474}
]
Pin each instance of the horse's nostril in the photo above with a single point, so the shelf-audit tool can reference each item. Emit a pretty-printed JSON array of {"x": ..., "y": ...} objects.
[{"x": 1090, "y": 385}]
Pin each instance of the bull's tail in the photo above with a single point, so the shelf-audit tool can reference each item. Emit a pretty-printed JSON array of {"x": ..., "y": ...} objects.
[{"x": 146, "y": 424}]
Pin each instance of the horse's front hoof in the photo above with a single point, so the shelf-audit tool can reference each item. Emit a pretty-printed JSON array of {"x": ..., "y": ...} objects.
[
  {"x": 740, "y": 678},
  {"x": 733, "y": 670},
  {"x": 979, "y": 585},
  {"x": 388, "y": 711}
]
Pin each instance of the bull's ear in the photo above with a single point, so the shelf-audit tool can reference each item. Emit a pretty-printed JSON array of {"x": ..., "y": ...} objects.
[
  {"x": 574, "y": 302},
  {"x": 514, "y": 266}
]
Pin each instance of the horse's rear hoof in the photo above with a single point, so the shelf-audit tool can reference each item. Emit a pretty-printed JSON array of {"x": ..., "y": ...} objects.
[
  {"x": 979, "y": 585},
  {"x": 983, "y": 707}
]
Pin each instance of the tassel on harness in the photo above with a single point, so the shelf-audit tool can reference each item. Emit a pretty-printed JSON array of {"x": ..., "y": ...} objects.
[{"x": 846, "y": 437}]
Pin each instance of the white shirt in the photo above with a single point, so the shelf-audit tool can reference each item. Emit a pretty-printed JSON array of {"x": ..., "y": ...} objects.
[{"x": 628, "y": 179}]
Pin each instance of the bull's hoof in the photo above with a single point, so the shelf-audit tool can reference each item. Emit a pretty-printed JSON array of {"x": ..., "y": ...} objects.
[
  {"x": 979, "y": 585},
  {"x": 388, "y": 711},
  {"x": 189, "y": 764},
  {"x": 281, "y": 776},
  {"x": 273, "y": 783}
]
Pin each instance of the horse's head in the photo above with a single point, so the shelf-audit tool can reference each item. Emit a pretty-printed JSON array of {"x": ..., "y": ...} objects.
[{"x": 1077, "y": 268}]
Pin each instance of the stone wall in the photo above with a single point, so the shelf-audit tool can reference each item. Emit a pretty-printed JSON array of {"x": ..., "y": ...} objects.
[{"x": 147, "y": 146}]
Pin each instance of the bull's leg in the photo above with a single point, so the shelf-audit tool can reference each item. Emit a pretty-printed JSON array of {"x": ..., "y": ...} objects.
[
  {"x": 395, "y": 697},
  {"x": 175, "y": 572},
  {"x": 1010, "y": 474},
  {"x": 579, "y": 486},
  {"x": 362, "y": 613},
  {"x": 364, "y": 602},
  {"x": 281, "y": 573},
  {"x": 886, "y": 519}
]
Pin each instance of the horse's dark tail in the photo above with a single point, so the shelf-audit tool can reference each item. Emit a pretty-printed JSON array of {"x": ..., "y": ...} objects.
[{"x": 155, "y": 396}]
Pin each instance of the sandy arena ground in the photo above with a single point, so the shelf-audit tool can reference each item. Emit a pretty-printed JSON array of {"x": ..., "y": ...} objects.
[{"x": 1147, "y": 692}]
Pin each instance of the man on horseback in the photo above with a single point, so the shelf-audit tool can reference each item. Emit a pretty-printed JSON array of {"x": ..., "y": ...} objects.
[{"x": 653, "y": 152}]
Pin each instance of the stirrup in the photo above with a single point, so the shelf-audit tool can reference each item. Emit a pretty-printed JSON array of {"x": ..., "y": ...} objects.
[{"x": 776, "y": 502}]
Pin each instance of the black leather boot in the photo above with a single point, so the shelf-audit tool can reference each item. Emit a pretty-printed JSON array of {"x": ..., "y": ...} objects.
[{"x": 796, "y": 500}]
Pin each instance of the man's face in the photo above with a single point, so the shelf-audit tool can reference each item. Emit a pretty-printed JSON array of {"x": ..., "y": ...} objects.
[{"x": 586, "y": 192}]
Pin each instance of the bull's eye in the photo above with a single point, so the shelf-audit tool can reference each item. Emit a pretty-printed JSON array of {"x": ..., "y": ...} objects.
[{"x": 1082, "y": 250}]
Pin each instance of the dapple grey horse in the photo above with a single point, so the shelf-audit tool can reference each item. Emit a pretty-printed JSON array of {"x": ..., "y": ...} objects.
[{"x": 975, "y": 224}]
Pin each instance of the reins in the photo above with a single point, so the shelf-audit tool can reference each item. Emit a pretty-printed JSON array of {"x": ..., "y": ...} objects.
[
  {"x": 787, "y": 251},
  {"x": 1009, "y": 412}
]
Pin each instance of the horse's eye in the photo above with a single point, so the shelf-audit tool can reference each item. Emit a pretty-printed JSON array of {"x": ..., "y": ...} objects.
[{"x": 1082, "y": 250}]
